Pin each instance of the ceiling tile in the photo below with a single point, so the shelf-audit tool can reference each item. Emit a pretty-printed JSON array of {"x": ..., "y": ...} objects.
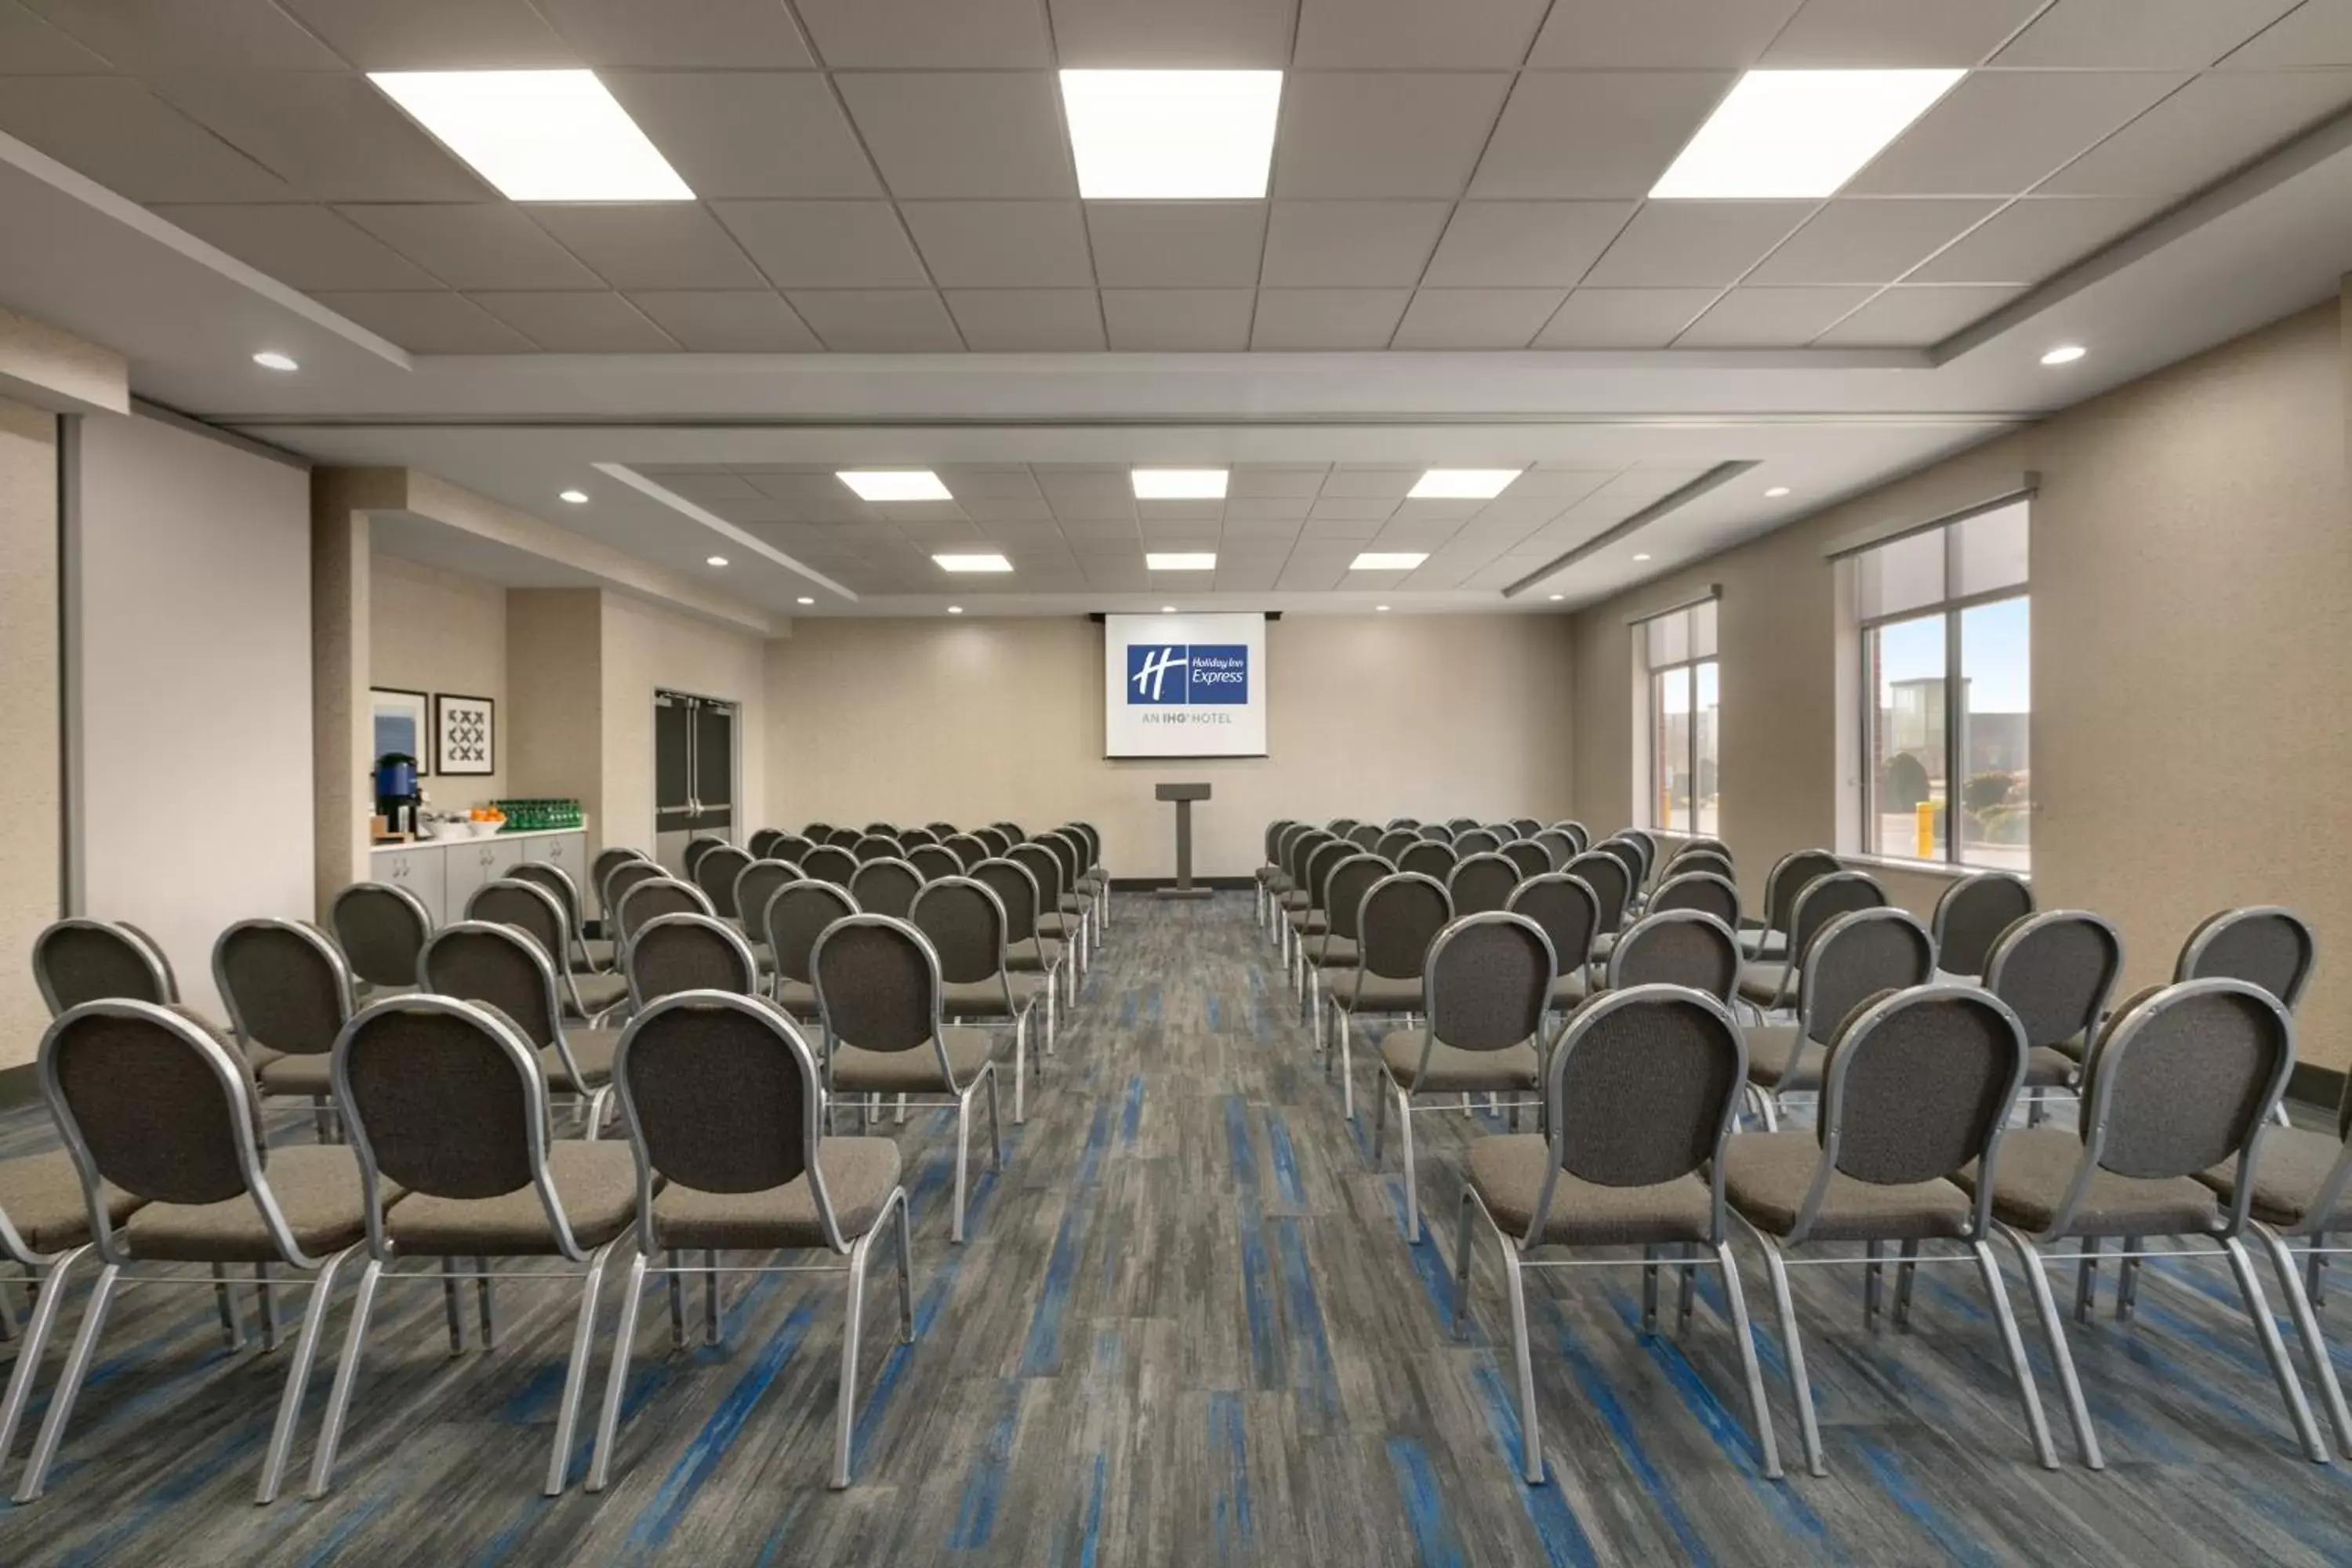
[
  {"x": 1200, "y": 320},
  {"x": 2218, "y": 121},
  {"x": 970, "y": 34},
  {"x": 1769, "y": 318},
  {"x": 333, "y": 137},
  {"x": 732, "y": 34},
  {"x": 307, "y": 247},
  {"x": 430, "y": 324},
  {"x": 475, "y": 245},
  {"x": 1624, "y": 318},
  {"x": 877, "y": 320},
  {"x": 1027, "y": 321},
  {"x": 1999, "y": 132},
  {"x": 1610, "y": 35},
  {"x": 1197, "y": 34},
  {"x": 436, "y": 35},
  {"x": 1351, "y": 245},
  {"x": 1176, "y": 245},
  {"x": 2029, "y": 241},
  {"x": 740, "y": 321},
  {"x": 1896, "y": 33},
  {"x": 963, "y": 133},
  {"x": 2316, "y": 32},
  {"x": 148, "y": 36},
  {"x": 1312, "y": 572},
  {"x": 2189, "y": 35},
  {"x": 1259, "y": 481},
  {"x": 1269, "y": 514},
  {"x": 1475, "y": 318},
  {"x": 577, "y": 323},
  {"x": 1001, "y": 245},
  {"x": 1909, "y": 317},
  {"x": 1368, "y": 481},
  {"x": 1873, "y": 241},
  {"x": 1388, "y": 133},
  {"x": 1399, "y": 35},
  {"x": 1595, "y": 133},
  {"x": 748, "y": 134},
  {"x": 650, "y": 245},
  {"x": 825, "y": 245},
  {"x": 1327, "y": 318},
  {"x": 1505, "y": 245},
  {"x": 969, "y": 482},
  {"x": 1159, "y": 514},
  {"x": 133, "y": 142},
  {"x": 1080, "y": 494},
  {"x": 1695, "y": 244},
  {"x": 31, "y": 46}
]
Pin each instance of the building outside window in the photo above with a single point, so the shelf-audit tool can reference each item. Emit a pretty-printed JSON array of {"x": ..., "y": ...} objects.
[{"x": 1678, "y": 651}]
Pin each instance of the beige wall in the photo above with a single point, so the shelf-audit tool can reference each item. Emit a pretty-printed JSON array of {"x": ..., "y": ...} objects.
[
  {"x": 2192, "y": 598},
  {"x": 973, "y": 720},
  {"x": 646, "y": 650},
  {"x": 435, "y": 632},
  {"x": 555, "y": 720},
  {"x": 29, "y": 846}
]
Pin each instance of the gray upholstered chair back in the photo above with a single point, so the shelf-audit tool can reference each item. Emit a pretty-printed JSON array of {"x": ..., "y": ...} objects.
[
  {"x": 1690, "y": 861},
  {"x": 1481, "y": 883},
  {"x": 1013, "y": 831},
  {"x": 697, "y": 847},
  {"x": 934, "y": 862},
  {"x": 796, "y": 915},
  {"x": 600, "y": 870},
  {"x": 916, "y": 837},
  {"x": 1566, "y": 910},
  {"x": 763, "y": 842},
  {"x": 617, "y": 885},
  {"x": 1365, "y": 835},
  {"x": 941, "y": 831},
  {"x": 1477, "y": 841},
  {"x": 1789, "y": 879},
  {"x": 2056, "y": 970},
  {"x": 1286, "y": 840},
  {"x": 558, "y": 883},
  {"x": 886, "y": 886},
  {"x": 150, "y": 1101},
  {"x": 1436, "y": 832},
  {"x": 1577, "y": 832},
  {"x": 1305, "y": 845},
  {"x": 1399, "y": 918},
  {"x": 993, "y": 841},
  {"x": 1643, "y": 1088},
  {"x": 1430, "y": 857},
  {"x": 1090, "y": 839},
  {"x": 1971, "y": 915},
  {"x": 967, "y": 926},
  {"x": 1274, "y": 839},
  {"x": 443, "y": 1097},
  {"x": 1919, "y": 1083},
  {"x": 715, "y": 874},
  {"x": 878, "y": 983},
  {"x": 1824, "y": 900},
  {"x": 843, "y": 838},
  {"x": 1558, "y": 847},
  {"x": 77, "y": 961},
  {"x": 1394, "y": 842},
  {"x": 1350, "y": 880},
  {"x": 1700, "y": 846},
  {"x": 1459, "y": 825},
  {"x": 286, "y": 987},
  {"x": 1853, "y": 958},
  {"x": 969, "y": 849},
  {"x": 2263, "y": 945},
  {"x": 830, "y": 863},
  {"x": 381, "y": 928},
  {"x": 873, "y": 846},
  {"x": 1488, "y": 980},
  {"x": 1041, "y": 863},
  {"x": 1528, "y": 856},
  {"x": 689, "y": 953},
  {"x": 1610, "y": 883},
  {"x": 477, "y": 961},
  {"x": 1067, "y": 850},
  {"x": 1708, "y": 893},
  {"x": 658, "y": 896},
  {"x": 2183, "y": 1075},
  {"x": 757, "y": 883},
  {"x": 529, "y": 908},
  {"x": 1628, "y": 853},
  {"x": 792, "y": 848},
  {"x": 1016, "y": 889},
  {"x": 1688, "y": 948},
  {"x": 1525, "y": 826},
  {"x": 1321, "y": 861}
]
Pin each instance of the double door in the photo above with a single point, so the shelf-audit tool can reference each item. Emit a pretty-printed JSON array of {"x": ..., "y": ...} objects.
[{"x": 694, "y": 773}]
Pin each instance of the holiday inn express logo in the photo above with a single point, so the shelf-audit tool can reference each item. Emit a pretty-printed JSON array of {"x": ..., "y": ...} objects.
[{"x": 1180, "y": 675}]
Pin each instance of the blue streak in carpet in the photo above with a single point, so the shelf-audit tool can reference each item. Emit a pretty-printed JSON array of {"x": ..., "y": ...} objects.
[
  {"x": 1213, "y": 1014},
  {"x": 1931, "y": 1520},
  {"x": 1286, "y": 1160},
  {"x": 984, "y": 1489},
  {"x": 354, "y": 1521},
  {"x": 1041, "y": 1356},
  {"x": 1602, "y": 1397},
  {"x": 1230, "y": 1526},
  {"x": 1317, "y": 1380},
  {"x": 669, "y": 1504},
  {"x": 1435, "y": 1271},
  {"x": 1563, "y": 1539},
  {"x": 1434, "y": 1542},
  {"x": 224, "y": 1452},
  {"x": 1130, "y": 1117}
]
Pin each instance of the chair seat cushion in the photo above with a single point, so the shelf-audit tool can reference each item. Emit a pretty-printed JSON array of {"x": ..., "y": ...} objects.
[
  {"x": 1450, "y": 1070},
  {"x": 1766, "y": 1176},
  {"x": 591, "y": 1049},
  {"x": 2034, "y": 1169},
  {"x": 1053, "y": 927},
  {"x": 1031, "y": 956},
  {"x": 1759, "y": 944},
  {"x": 1076, "y": 904},
  {"x": 915, "y": 1071},
  {"x": 1296, "y": 898},
  {"x": 2293, "y": 1164},
  {"x": 595, "y": 1183},
  {"x": 1507, "y": 1174},
  {"x": 797, "y": 997},
  {"x": 41, "y": 1195},
  {"x": 1309, "y": 922},
  {"x": 317, "y": 1190},
  {"x": 599, "y": 992},
  {"x": 1334, "y": 952},
  {"x": 1567, "y": 990},
  {"x": 1767, "y": 1058},
  {"x": 1761, "y": 983},
  {"x": 1354, "y": 991},
  {"x": 1269, "y": 875},
  {"x": 283, "y": 1072},
  {"x": 985, "y": 998},
  {"x": 859, "y": 1174},
  {"x": 596, "y": 954}
]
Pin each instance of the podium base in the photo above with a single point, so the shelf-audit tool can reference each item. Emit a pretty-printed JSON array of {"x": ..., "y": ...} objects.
[{"x": 1184, "y": 892}]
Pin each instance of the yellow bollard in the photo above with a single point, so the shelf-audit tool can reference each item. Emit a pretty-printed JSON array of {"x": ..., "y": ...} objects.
[{"x": 1925, "y": 815}]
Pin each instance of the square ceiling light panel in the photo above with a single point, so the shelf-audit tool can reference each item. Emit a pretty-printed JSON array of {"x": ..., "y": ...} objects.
[
  {"x": 895, "y": 484},
  {"x": 1172, "y": 135},
  {"x": 1798, "y": 134},
  {"x": 1180, "y": 484},
  {"x": 1462, "y": 484},
  {"x": 989, "y": 563},
  {"x": 538, "y": 135},
  {"x": 1388, "y": 561},
  {"x": 1180, "y": 560}
]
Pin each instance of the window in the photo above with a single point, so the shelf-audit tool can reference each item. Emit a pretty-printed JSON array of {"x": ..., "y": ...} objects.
[
  {"x": 1678, "y": 651},
  {"x": 1947, "y": 657}
]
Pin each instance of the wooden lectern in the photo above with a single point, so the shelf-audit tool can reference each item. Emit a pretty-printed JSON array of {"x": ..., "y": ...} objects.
[{"x": 1184, "y": 794}]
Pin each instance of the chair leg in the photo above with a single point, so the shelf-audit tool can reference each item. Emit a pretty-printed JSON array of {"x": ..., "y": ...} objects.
[
  {"x": 710, "y": 1329},
  {"x": 677, "y": 1299},
  {"x": 1462, "y": 1261},
  {"x": 616, "y": 1380},
  {"x": 482, "y": 1299},
  {"x": 1380, "y": 1127},
  {"x": 845, "y": 1399},
  {"x": 1531, "y": 1463},
  {"x": 2306, "y": 1328},
  {"x": 1768, "y": 1442},
  {"x": 2258, "y": 1308},
  {"x": 1808, "y": 1426},
  {"x": 1649, "y": 1290},
  {"x": 2127, "y": 1280},
  {"x": 453, "y": 1306},
  {"x": 1871, "y": 1271},
  {"x": 265, "y": 1306},
  {"x": 1411, "y": 1183},
  {"x": 2013, "y": 1344},
  {"x": 347, "y": 1372},
  {"x": 2087, "y": 1281},
  {"x": 905, "y": 1269},
  {"x": 1903, "y": 1274},
  {"x": 1347, "y": 1065},
  {"x": 575, "y": 1374},
  {"x": 297, "y": 1377},
  {"x": 46, "y": 1304},
  {"x": 2086, "y": 1439},
  {"x": 2315, "y": 1268},
  {"x": 1020, "y": 1069},
  {"x": 225, "y": 1295},
  {"x": 1687, "y": 1297},
  {"x": 61, "y": 1399},
  {"x": 962, "y": 1160}
]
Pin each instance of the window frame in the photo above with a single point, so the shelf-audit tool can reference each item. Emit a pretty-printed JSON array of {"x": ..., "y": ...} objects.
[{"x": 1657, "y": 713}]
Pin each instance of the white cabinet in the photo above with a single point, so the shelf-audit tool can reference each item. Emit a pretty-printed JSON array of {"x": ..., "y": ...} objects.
[
  {"x": 467, "y": 865},
  {"x": 419, "y": 871},
  {"x": 445, "y": 873},
  {"x": 569, "y": 850}
]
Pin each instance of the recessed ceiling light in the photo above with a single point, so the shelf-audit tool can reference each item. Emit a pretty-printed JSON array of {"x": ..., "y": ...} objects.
[
  {"x": 804, "y": 599},
  {"x": 1383, "y": 608},
  {"x": 1180, "y": 560},
  {"x": 895, "y": 484},
  {"x": 1462, "y": 484},
  {"x": 2064, "y": 353},
  {"x": 716, "y": 561},
  {"x": 1179, "y": 135},
  {"x": 1167, "y": 609},
  {"x": 538, "y": 135},
  {"x": 1556, "y": 598},
  {"x": 983, "y": 561},
  {"x": 577, "y": 497},
  {"x": 1645, "y": 556},
  {"x": 1776, "y": 492},
  {"x": 1180, "y": 484},
  {"x": 1798, "y": 134},
  {"x": 270, "y": 359},
  {"x": 1388, "y": 561},
  {"x": 955, "y": 609}
]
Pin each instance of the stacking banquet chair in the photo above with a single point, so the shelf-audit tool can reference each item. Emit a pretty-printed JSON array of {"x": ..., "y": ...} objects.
[
  {"x": 1530, "y": 857},
  {"x": 1081, "y": 889},
  {"x": 1436, "y": 832},
  {"x": 77, "y": 959},
  {"x": 381, "y": 928},
  {"x": 160, "y": 1119},
  {"x": 532, "y": 909},
  {"x": 935, "y": 862},
  {"x": 882, "y": 829},
  {"x": 763, "y": 842},
  {"x": 1481, "y": 883},
  {"x": 1611, "y": 886},
  {"x": 993, "y": 842},
  {"x": 1577, "y": 832},
  {"x": 1488, "y": 986},
  {"x": 1783, "y": 885},
  {"x": 715, "y": 874},
  {"x": 845, "y": 838},
  {"x": 1477, "y": 841},
  {"x": 2180, "y": 1082},
  {"x": 1641, "y": 1096},
  {"x": 1634, "y": 855},
  {"x": 689, "y": 953},
  {"x": 651, "y": 897},
  {"x": 755, "y": 885},
  {"x": 1570, "y": 914},
  {"x": 1709, "y": 893},
  {"x": 886, "y": 886},
  {"x": 1275, "y": 877},
  {"x": 1014, "y": 832},
  {"x": 941, "y": 831},
  {"x": 1395, "y": 842},
  {"x": 1458, "y": 825},
  {"x": 723, "y": 1103},
  {"x": 880, "y": 988},
  {"x": 1025, "y": 952},
  {"x": 1525, "y": 826},
  {"x": 1429, "y": 859},
  {"x": 1094, "y": 877},
  {"x": 792, "y": 849},
  {"x": 1688, "y": 948},
  {"x": 916, "y": 837},
  {"x": 696, "y": 848},
  {"x": 1970, "y": 917},
  {"x": 1295, "y": 893},
  {"x": 970, "y": 932},
  {"x": 447, "y": 1105},
  {"x": 1366, "y": 836},
  {"x": 1340, "y": 948},
  {"x": 2263, "y": 945},
  {"x": 1396, "y": 920},
  {"x": 1558, "y": 847},
  {"x": 1308, "y": 913},
  {"x": 1701, "y": 846},
  {"x": 872, "y": 847},
  {"x": 1055, "y": 923},
  {"x": 1688, "y": 862},
  {"x": 1850, "y": 960},
  {"x": 2057, "y": 970},
  {"x": 1918, "y": 1088},
  {"x": 796, "y": 915},
  {"x": 617, "y": 883},
  {"x": 506, "y": 968},
  {"x": 816, "y": 832},
  {"x": 589, "y": 956},
  {"x": 601, "y": 867},
  {"x": 1770, "y": 985},
  {"x": 830, "y": 863},
  {"x": 289, "y": 994}
]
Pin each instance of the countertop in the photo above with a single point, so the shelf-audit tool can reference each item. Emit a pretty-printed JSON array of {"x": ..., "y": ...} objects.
[{"x": 493, "y": 838}]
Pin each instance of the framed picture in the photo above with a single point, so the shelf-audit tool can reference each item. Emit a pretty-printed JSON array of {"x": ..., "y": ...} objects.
[
  {"x": 465, "y": 731},
  {"x": 400, "y": 725}
]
